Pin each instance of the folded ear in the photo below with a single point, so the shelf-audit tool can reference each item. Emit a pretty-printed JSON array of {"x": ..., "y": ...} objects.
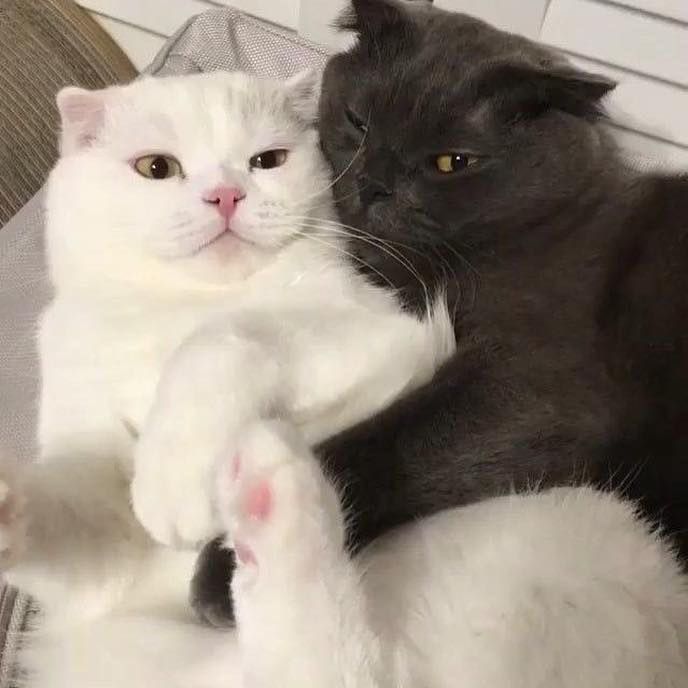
[
  {"x": 370, "y": 19},
  {"x": 303, "y": 92},
  {"x": 521, "y": 91},
  {"x": 82, "y": 114}
]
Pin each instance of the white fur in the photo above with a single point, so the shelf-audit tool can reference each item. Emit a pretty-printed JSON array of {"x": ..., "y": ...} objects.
[{"x": 188, "y": 345}]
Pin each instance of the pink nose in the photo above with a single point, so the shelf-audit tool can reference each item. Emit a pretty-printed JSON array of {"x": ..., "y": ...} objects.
[{"x": 225, "y": 198}]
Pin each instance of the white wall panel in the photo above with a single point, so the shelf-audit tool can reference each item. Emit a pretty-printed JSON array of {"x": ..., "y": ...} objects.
[
  {"x": 673, "y": 9},
  {"x": 283, "y": 12},
  {"x": 519, "y": 16},
  {"x": 316, "y": 19},
  {"x": 618, "y": 36},
  {"x": 159, "y": 16},
  {"x": 645, "y": 104},
  {"x": 140, "y": 46}
]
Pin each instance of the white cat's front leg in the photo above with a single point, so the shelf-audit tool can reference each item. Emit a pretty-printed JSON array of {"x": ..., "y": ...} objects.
[
  {"x": 300, "y": 605},
  {"x": 349, "y": 364},
  {"x": 213, "y": 386},
  {"x": 67, "y": 534}
]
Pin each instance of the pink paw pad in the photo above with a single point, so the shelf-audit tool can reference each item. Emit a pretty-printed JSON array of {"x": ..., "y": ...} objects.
[{"x": 257, "y": 501}]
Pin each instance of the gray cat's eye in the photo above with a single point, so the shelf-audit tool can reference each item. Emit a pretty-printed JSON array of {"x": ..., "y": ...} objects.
[{"x": 447, "y": 163}]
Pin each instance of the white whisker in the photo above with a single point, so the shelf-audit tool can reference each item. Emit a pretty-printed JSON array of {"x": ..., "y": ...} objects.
[
  {"x": 337, "y": 247},
  {"x": 365, "y": 237},
  {"x": 342, "y": 173}
]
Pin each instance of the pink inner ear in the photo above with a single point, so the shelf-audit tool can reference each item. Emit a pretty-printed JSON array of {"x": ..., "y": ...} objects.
[{"x": 82, "y": 113}]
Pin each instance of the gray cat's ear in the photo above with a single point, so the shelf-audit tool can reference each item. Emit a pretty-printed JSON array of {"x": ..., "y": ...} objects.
[
  {"x": 522, "y": 91},
  {"x": 82, "y": 114},
  {"x": 372, "y": 18},
  {"x": 303, "y": 92}
]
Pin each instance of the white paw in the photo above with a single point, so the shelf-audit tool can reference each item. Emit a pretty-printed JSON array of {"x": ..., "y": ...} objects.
[
  {"x": 172, "y": 492},
  {"x": 13, "y": 522},
  {"x": 199, "y": 406},
  {"x": 279, "y": 509}
]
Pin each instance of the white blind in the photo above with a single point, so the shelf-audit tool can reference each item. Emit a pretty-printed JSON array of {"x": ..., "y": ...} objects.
[
  {"x": 518, "y": 16},
  {"x": 671, "y": 9},
  {"x": 643, "y": 44}
]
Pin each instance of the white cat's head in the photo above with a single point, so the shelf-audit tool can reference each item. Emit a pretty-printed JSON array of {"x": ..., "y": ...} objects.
[{"x": 196, "y": 179}]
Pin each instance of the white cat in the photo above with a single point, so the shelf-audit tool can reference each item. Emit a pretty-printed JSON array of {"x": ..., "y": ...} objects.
[
  {"x": 166, "y": 321},
  {"x": 199, "y": 284}
]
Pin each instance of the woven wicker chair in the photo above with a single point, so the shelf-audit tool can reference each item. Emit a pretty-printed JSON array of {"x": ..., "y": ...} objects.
[{"x": 44, "y": 45}]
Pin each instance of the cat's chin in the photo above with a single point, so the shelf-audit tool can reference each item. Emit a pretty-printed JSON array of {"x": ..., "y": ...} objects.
[
  {"x": 225, "y": 245},
  {"x": 215, "y": 239},
  {"x": 225, "y": 260}
]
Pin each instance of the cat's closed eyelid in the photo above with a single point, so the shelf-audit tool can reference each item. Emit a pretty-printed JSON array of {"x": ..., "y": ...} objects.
[{"x": 359, "y": 123}]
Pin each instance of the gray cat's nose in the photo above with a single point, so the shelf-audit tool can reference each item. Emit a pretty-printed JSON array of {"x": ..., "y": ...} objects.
[{"x": 371, "y": 190}]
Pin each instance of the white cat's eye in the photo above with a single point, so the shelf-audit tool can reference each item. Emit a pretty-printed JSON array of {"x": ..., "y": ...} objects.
[
  {"x": 269, "y": 159},
  {"x": 157, "y": 166}
]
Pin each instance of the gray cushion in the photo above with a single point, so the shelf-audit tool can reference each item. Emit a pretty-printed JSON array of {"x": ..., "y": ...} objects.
[
  {"x": 228, "y": 39},
  {"x": 23, "y": 293}
]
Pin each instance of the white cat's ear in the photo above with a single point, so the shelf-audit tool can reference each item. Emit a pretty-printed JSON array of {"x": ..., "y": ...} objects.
[
  {"x": 82, "y": 114},
  {"x": 303, "y": 91}
]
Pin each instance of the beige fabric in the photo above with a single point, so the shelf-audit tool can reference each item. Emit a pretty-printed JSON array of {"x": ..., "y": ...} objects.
[{"x": 44, "y": 45}]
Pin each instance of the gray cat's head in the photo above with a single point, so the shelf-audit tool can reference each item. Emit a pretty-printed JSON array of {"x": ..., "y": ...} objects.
[{"x": 456, "y": 130}]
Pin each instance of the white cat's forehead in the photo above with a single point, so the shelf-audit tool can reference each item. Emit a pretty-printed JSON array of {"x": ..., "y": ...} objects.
[{"x": 210, "y": 110}]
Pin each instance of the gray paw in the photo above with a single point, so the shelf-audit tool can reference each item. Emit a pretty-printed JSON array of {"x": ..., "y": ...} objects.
[{"x": 210, "y": 594}]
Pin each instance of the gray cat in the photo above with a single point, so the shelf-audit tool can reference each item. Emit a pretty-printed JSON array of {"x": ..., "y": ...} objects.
[{"x": 480, "y": 157}]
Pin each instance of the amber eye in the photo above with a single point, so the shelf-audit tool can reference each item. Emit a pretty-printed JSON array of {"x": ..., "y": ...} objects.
[
  {"x": 269, "y": 159},
  {"x": 453, "y": 162},
  {"x": 158, "y": 166},
  {"x": 357, "y": 122}
]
